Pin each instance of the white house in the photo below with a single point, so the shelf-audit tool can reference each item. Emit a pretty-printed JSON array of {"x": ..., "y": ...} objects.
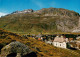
[
  {"x": 78, "y": 37},
  {"x": 78, "y": 45},
  {"x": 48, "y": 42},
  {"x": 60, "y": 42}
]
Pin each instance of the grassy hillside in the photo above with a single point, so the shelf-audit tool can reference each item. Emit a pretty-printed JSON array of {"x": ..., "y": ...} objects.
[
  {"x": 41, "y": 49},
  {"x": 46, "y": 21}
]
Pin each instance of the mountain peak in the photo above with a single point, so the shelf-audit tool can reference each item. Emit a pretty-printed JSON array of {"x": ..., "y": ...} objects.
[{"x": 24, "y": 11}]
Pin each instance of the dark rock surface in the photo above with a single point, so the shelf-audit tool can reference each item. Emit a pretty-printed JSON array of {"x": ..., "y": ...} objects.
[{"x": 15, "y": 48}]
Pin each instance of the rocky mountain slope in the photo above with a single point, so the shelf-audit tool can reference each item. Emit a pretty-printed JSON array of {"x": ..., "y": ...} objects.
[{"x": 46, "y": 20}]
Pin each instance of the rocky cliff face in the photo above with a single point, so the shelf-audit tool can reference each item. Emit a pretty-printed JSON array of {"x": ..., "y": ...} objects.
[
  {"x": 15, "y": 47},
  {"x": 24, "y": 11},
  {"x": 77, "y": 29},
  {"x": 48, "y": 20}
]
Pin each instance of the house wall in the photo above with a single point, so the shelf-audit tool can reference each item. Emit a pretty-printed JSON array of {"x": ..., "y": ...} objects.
[
  {"x": 60, "y": 44},
  {"x": 48, "y": 42}
]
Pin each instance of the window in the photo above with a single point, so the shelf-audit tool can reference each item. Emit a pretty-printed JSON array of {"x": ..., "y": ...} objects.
[{"x": 60, "y": 44}]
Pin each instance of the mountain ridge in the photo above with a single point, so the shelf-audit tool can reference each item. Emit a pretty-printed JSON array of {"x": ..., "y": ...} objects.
[
  {"x": 31, "y": 10},
  {"x": 46, "y": 20}
]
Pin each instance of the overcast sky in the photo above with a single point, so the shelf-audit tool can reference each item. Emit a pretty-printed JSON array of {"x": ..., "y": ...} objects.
[{"x": 9, "y": 6}]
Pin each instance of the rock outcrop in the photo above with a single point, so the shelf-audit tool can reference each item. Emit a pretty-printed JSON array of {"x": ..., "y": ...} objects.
[
  {"x": 24, "y": 11},
  {"x": 15, "y": 48}
]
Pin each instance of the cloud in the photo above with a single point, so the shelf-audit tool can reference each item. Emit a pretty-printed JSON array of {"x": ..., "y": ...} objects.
[
  {"x": 45, "y": 3},
  {"x": 3, "y": 14},
  {"x": 38, "y": 3},
  {"x": 53, "y": 4}
]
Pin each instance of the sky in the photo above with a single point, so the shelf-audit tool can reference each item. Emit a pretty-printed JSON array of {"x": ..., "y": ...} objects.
[{"x": 9, "y": 6}]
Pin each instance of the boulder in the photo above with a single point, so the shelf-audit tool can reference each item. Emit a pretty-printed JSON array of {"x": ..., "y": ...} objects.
[{"x": 16, "y": 48}]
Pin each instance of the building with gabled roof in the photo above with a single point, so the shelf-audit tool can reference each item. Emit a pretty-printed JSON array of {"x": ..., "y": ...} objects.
[{"x": 60, "y": 42}]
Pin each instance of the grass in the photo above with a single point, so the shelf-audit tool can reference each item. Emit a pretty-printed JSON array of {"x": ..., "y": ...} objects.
[
  {"x": 42, "y": 49},
  {"x": 36, "y": 24}
]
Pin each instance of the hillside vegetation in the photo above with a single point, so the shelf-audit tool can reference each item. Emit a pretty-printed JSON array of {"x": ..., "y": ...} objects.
[
  {"x": 46, "y": 21},
  {"x": 41, "y": 49}
]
